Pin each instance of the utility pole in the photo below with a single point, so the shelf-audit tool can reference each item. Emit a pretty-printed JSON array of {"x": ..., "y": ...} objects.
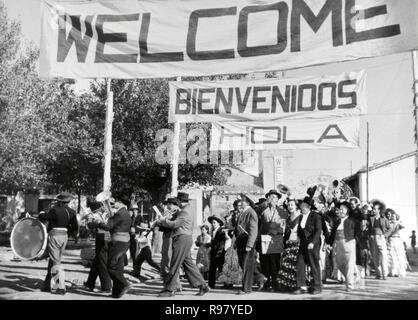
[{"x": 415, "y": 87}]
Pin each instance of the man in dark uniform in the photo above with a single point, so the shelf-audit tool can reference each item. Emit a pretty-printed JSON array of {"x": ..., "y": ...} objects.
[
  {"x": 182, "y": 239},
  {"x": 99, "y": 265},
  {"x": 61, "y": 221},
  {"x": 118, "y": 225},
  {"x": 309, "y": 232}
]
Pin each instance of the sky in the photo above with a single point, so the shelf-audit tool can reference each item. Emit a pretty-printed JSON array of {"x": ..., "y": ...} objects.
[{"x": 389, "y": 94}]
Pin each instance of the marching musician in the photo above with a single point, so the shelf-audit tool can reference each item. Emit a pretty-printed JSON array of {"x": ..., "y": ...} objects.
[
  {"x": 182, "y": 239},
  {"x": 99, "y": 265},
  {"x": 119, "y": 225},
  {"x": 61, "y": 221}
]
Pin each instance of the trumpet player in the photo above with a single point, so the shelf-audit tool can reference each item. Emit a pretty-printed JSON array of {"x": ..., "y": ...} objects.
[{"x": 119, "y": 225}]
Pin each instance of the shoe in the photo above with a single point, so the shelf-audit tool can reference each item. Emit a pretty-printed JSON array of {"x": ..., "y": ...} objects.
[
  {"x": 243, "y": 292},
  {"x": 124, "y": 290},
  {"x": 316, "y": 291},
  {"x": 228, "y": 286},
  {"x": 61, "y": 292},
  {"x": 89, "y": 288},
  {"x": 46, "y": 289},
  {"x": 203, "y": 290},
  {"x": 298, "y": 291},
  {"x": 166, "y": 294},
  {"x": 377, "y": 277}
]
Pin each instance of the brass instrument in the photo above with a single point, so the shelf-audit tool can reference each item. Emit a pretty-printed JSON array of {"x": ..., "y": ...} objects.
[{"x": 106, "y": 211}]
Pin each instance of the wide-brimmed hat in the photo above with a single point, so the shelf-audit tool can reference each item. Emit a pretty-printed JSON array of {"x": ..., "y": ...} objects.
[
  {"x": 357, "y": 200},
  {"x": 379, "y": 202},
  {"x": 183, "y": 197},
  {"x": 217, "y": 218},
  {"x": 173, "y": 201},
  {"x": 64, "y": 197},
  {"x": 247, "y": 199},
  {"x": 273, "y": 191},
  {"x": 309, "y": 201}
]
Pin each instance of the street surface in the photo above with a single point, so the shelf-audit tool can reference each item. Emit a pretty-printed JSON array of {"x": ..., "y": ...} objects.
[{"x": 22, "y": 280}]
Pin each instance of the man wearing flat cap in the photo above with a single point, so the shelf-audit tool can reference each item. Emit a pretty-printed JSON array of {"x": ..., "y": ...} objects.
[
  {"x": 62, "y": 220},
  {"x": 272, "y": 224},
  {"x": 182, "y": 243},
  {"x": 309, "y": 233}
]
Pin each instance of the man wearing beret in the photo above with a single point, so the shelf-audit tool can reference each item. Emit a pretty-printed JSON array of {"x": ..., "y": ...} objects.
[{"x": 182, "y": 239}]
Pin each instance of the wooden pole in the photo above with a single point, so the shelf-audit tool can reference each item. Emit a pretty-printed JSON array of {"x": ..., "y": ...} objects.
[
  {"x": 107, "y": 183},
  {"x": 367, "y": 164},
  {"x": 176, "y": 154},
  {"x": 415, "y": 74}
]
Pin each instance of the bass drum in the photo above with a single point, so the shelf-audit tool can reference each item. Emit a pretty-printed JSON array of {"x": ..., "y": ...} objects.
[{"x": 28, "y": 239}]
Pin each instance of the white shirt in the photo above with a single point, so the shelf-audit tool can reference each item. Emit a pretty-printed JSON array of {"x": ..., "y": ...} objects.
[{"x": 304, "y": 218}]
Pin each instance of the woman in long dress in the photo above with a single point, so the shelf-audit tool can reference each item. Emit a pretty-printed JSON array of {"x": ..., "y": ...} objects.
[
  {"x": 202, "y": 258},
  {"x": 287, "y": 272},
  {"x": 231, "y": 271},
  {"x": 397, "y": 262}
]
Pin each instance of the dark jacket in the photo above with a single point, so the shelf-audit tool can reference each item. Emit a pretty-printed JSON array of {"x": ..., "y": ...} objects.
[
  {"x": 384, "y": 225},
  {"x": 119, "y": 222},
  {"x": 61, "y": 216},
  {"x": 313, "y": 229},
  {"x": 247, "y": 226},
  {"x": 217, "y": 244},
  {"x": 182, "y": 223},
  {"x": 351, "y": 230}
]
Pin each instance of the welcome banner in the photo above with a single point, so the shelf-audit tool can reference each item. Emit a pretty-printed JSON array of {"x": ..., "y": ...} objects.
[
  {"x": 292, "y": 134},
  {"x": 157, "y": 38},
  {"x": 268, "y": 99}
]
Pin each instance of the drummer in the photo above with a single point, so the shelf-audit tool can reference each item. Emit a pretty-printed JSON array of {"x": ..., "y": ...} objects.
[{"x": 62, "y": 220}]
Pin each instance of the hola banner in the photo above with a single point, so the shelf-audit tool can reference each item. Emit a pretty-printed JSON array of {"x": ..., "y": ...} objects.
[
  {"x": 268, "y": 99},
  {"x": 156, "y": 38},
  {"x": 292, "y": 134}
]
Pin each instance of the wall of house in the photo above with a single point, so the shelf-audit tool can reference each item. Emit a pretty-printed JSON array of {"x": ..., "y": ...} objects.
[{"x": 394, "y": 184}]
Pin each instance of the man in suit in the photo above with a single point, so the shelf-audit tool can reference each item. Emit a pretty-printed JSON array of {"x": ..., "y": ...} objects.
[
  {"x": 246, "y": 232},
  {"x": 61, "y": 221},
  {"x": 217, "y": 249},
  {"x": 379, "y": 230},
  {"x": 182, "y": 243},
  {"x": 272, "y": 222},
  {"x": 309, "y": 233}
]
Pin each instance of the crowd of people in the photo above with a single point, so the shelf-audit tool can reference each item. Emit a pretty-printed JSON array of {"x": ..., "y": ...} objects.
[
  {"x": 278, "y": 244},
  {"x": 283, "y": 244}
]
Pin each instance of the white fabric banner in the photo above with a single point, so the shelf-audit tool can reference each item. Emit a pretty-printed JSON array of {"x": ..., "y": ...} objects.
[
  {"x": 157, "y": 38},
  {"x": 268, "y": 99},
  {"x": 292, "y": 134}
]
